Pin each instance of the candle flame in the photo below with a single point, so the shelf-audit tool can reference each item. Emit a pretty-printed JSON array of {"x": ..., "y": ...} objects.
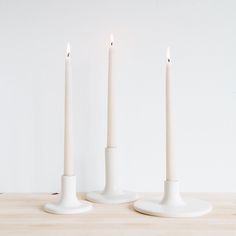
[
  {"x": 111, "y": 39},
  {"x": 68, "y": 50},
  {"x": 168, "y": 53}
]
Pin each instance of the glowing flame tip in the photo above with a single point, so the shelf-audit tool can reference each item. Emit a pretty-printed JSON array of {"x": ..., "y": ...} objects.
[
  {"x": 68, "y": 49},
  {"x": 111, "y": 39},
  {"x": 168, "y": 53}
]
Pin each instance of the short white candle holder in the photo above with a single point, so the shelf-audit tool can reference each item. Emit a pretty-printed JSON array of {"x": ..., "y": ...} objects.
[
  {"x": 69, "y": 203},
  {"x": 111, "y": 194},
  {"x": 172, "y": 204}
]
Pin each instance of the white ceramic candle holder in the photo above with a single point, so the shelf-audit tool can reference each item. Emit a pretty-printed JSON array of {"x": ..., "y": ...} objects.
[
  {"x": 172, "y": 204},
  {"x": 112, "y": 193},
  {"x": 69, "y": 203}
]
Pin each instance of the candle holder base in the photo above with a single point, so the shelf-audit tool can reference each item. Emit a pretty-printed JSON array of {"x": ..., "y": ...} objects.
[
  {"x": 172, "y": 205},
  {"x": 69, "y": 203},
  {"x": 115, "y": 198},
  {"x": 111, "y": 193},
  {"x": 81, "y": 207}
]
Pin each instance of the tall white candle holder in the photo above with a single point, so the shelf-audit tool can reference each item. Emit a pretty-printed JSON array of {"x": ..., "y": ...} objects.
[
  {"x": 112, "y": 194},
  {"x": 69, "y": 203},
  {"x": 172, "y": 204}
]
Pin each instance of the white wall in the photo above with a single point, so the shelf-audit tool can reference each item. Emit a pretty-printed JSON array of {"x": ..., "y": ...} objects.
[{"x": 33, "y": 37}]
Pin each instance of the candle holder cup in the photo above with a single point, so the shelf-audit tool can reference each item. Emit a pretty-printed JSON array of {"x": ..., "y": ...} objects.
[
  {"x": 112, "y": 194},
  {"x": 172, "y": 204},
  {"x": 69, "y": 203}
]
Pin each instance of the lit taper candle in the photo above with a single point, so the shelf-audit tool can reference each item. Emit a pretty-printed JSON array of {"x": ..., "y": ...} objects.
[
  {"x": 171, "y": 204},
  {"x": 68, "y": 161},
  {"x": 170, "y": 161},
  {"x": 111, "y": 106},
  {"x": 68, "y": 202}
]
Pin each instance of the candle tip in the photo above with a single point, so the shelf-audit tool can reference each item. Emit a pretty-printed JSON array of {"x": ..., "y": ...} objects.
[
  {"x": 168, "y": 54},
  {"x": 68, "y": 50},
  {"x": 111, "y": 39}
]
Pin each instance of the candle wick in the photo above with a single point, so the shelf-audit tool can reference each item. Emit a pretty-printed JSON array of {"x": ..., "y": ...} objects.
[
  {"x": 68, "y": 54},
  {"x": 168, "y": 59},
  {"x": 111, "y": 43}
]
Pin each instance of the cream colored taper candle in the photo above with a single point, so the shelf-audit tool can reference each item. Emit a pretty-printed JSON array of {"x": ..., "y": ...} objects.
[
  {"x": 111, "y": 142},
  {"x": 170, "y": 161},
  {"x": 68, "y": 161}
]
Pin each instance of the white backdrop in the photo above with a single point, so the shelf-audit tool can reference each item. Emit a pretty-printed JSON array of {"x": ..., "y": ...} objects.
[{"x": 33, "y": 37}]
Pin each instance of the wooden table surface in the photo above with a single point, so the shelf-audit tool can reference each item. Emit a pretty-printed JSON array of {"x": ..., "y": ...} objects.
[{"x": 22, "y": 214}]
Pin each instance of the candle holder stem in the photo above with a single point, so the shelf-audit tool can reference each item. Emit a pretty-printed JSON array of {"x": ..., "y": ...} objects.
[
  {"x": 112, "y": 185},
  {"x": 172, "y": 195},
  {"x": 112, "y": 192},
  {"x": 68, "y": 203}
]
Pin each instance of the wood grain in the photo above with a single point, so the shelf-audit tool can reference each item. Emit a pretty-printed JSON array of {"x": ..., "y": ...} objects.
[{"x": 22, "y": 214}]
